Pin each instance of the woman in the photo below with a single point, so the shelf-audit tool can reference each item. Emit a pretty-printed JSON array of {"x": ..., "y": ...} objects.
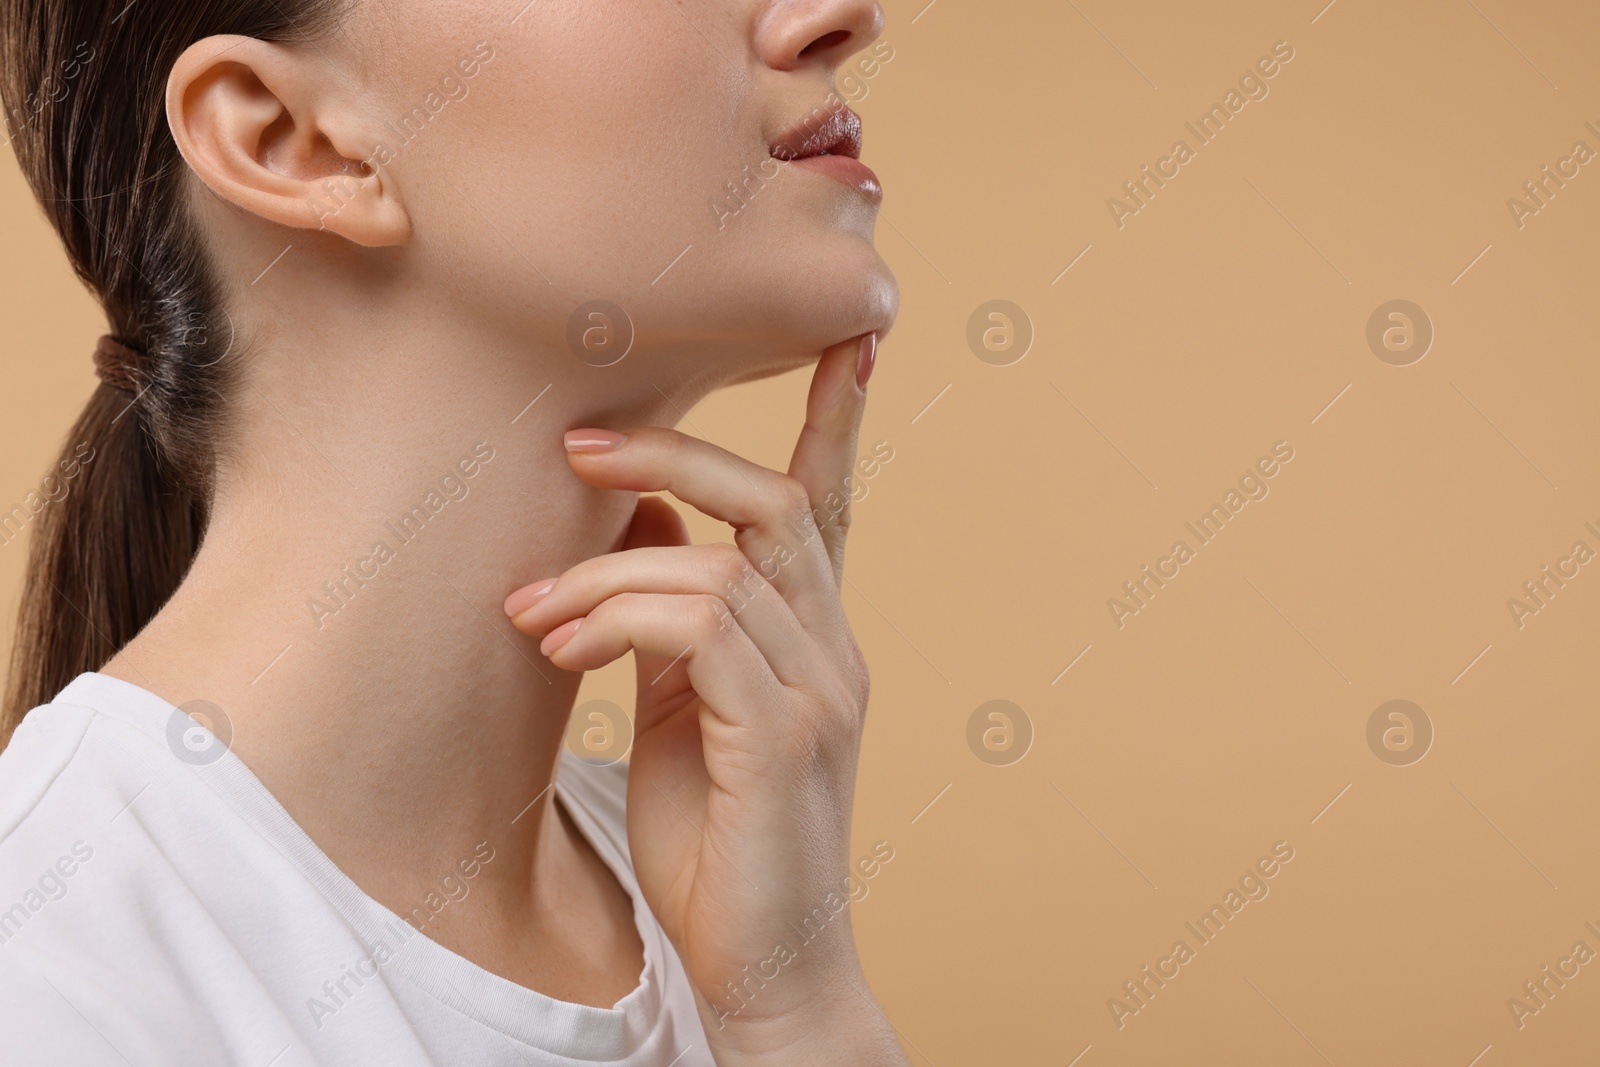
[{"x": 405, "y": 300}]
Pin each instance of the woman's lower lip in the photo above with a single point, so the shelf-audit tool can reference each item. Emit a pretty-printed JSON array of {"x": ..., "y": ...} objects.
[{"x": 846, "y": 169}]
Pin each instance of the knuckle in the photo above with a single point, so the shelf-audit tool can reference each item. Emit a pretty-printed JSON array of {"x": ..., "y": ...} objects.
[
  {"x": 836, "y": 713},
  {"x": 709, "y": 617},
  {"x": 860, "y": 679},
  {"x": 849, "y": 714},
  {"x": 835, "y": 506},
  {"x": 794, "y": 501},
  {"x": 852, "y": 688},
  {"x": 729, "y": 567}
]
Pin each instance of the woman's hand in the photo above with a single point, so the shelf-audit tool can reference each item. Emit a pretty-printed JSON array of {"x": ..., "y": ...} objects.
[{"x": 751, "y": 696}]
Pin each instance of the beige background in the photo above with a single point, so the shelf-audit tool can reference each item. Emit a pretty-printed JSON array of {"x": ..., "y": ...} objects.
[{"x": 1232, "y": 710}]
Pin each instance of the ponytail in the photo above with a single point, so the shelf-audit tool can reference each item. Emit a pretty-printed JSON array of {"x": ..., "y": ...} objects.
[
  {"x": 83, "y": 90},
  {"x": 104, "y": 556}
]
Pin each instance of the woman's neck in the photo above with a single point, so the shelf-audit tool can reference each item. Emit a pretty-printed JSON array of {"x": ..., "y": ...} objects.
[{"x": 345, "y": 613}]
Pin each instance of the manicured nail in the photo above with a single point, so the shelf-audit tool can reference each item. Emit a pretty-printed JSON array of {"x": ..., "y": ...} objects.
[
  {"x": 593, "y": 440},
  {"x": 866, "y": 355},
  {"x": 528, "y": 596},
  {"x": 559, "y": 636}
]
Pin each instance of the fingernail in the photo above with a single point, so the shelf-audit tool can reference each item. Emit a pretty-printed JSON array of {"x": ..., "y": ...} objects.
[
  {"x": 528, "y": 596},
  {"x": 593, "y": 440},
  {"x": 559, "y": 636},
  {"x": 866, "y": 355}
]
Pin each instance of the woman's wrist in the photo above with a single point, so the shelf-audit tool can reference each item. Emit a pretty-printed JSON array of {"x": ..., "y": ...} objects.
[{"x": 838, "y": 1022}]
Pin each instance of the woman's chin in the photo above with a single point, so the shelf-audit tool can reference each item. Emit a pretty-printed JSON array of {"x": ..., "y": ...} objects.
[{"x": 773, "y": 369}]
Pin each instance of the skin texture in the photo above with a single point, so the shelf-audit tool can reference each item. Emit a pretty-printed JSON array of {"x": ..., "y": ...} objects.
[{"x": 391, "y": 322}]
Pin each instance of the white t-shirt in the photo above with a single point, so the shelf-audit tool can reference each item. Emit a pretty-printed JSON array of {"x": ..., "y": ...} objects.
[{"x": 159, "y": 909}]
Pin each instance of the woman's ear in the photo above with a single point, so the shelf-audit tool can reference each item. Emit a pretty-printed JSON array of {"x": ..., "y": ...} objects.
[{"x": 265, "y": 128}]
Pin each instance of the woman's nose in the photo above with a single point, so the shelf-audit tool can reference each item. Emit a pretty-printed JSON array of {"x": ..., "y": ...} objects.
[{"x": 795, "y": 34}]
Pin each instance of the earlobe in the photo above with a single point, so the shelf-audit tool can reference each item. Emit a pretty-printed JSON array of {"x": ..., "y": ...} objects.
[{"x": 263, "y": 128}]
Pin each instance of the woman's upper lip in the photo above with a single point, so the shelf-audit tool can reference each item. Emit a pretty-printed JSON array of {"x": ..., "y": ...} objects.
[{"x": 838, "y": 133}]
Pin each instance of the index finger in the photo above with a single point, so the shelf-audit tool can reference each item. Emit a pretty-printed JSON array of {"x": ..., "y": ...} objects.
[
  {"x": 826, "y": 452},
  {"x": 772, "y": 514}
]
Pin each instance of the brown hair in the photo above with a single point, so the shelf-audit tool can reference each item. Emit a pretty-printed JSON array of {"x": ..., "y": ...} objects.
[{"x": 83, "y": 85}]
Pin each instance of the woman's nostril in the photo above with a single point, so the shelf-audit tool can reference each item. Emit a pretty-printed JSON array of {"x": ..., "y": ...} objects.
[{"x": 825, "y": 42}]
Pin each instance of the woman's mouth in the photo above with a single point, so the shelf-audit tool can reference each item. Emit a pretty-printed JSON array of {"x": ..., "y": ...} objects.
[{"x": 829, "y": 142}]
